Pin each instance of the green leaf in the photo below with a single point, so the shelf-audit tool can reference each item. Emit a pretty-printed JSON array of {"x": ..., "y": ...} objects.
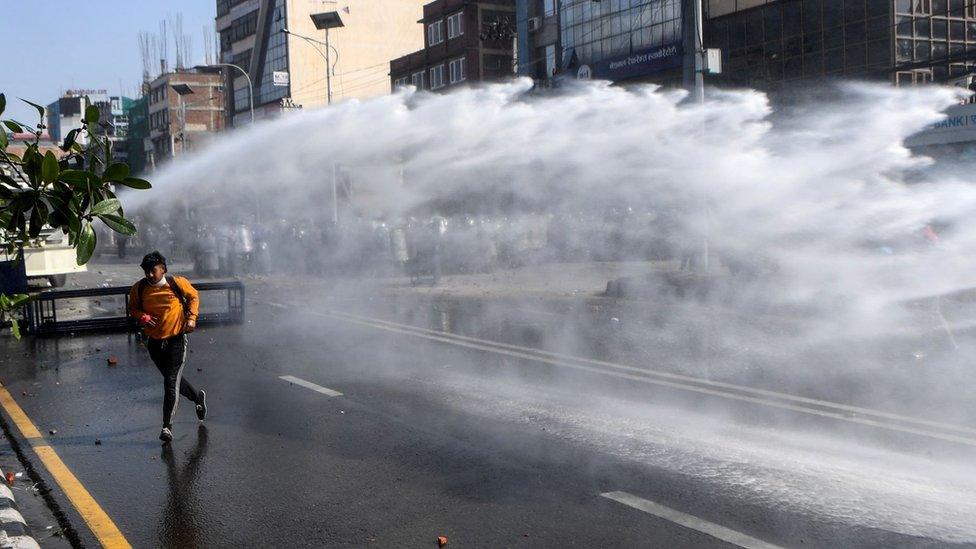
[
  {"x": 35, "y": 223},
  {"x": 91, "y": 116},
  {"x": 106, "y": 207},
  {"x": 116, "y": 172},
  {"x": 14, "y": 127},
  {"x": 17, "y": 300},
  {"x": 15, "y": 328},
  {"x": 80, "y": 179},
  {"x": 49, "y": 168},
  {"x": 3, "y": 140},
  {"x": 118, "y": 224},
  {"x": 86, "y": 243},
  {"x": 3, "y": 103},
  {"x": 69, "y": 139},
  {"x": 40, "y": 109},
  {"x": 135, "y": 183}
]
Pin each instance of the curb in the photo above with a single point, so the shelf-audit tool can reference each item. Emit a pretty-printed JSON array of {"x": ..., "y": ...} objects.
[{"x": 14, "y": 532}]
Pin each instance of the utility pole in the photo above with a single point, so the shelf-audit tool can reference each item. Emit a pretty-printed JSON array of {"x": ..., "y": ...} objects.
[{"x": 694, "y": 80}]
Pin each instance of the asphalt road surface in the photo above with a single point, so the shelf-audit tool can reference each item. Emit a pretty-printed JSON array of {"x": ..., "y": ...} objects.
[{"x": 378, "y": 428}]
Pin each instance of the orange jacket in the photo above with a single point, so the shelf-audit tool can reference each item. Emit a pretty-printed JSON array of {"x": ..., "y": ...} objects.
[{"x": 163, "y": 305}]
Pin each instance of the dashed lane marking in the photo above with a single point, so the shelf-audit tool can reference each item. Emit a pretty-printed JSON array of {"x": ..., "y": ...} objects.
[
  {"x": 689, "y": 521},
  {"x": 105, "y": 530},
  {"x": 310, "y": 385}
]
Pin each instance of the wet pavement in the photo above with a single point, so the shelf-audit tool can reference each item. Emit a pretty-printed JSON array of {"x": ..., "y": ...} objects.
[{"x": 490, "y": 449}]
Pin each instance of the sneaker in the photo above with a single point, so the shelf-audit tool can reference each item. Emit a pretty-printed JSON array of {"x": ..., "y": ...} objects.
[
  {"x": 166, "y": 435},
  {"x": 202, "y": 405}
]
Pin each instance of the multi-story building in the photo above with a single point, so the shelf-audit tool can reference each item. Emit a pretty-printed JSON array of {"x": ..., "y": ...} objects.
[
  {"x": 138, "y": 143},
  {"x": 539, "y": 48},
  {"x": 185, "y": 109},
  {"x": 68, "y": 113},
  {"x": 277, "y": 43},
  {"x": 464, "y": 41},
  {"x": 771, "y": 44}
]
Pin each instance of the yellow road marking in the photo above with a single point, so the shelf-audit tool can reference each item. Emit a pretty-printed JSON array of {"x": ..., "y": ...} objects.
[
  {"x": 17, "y": 414},
  {"x": 101, "y": 524}
]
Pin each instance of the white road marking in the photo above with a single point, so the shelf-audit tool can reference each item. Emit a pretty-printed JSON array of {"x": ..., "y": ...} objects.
[
  {"x": 689, "y": 521},
  {"x": 821, "y": 408},
  {"x": 312, "y": 386},
  {"x": 278, "y": 305}
]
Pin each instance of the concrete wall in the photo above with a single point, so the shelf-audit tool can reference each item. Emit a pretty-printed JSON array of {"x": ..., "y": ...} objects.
[{"x": 374, "y": 32}]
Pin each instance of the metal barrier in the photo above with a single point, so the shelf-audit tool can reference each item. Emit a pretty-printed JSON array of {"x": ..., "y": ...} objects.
[{"x": 42, "y": 312}]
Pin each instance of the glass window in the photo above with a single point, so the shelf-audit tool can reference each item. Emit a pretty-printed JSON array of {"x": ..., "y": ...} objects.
[
  {"x": 832, "y": 15},
  {"x": 417, "y": 79},
  {"x": 940, "y": 29},
  {"x": 903, "y": 6},
  {"x": 275, "y": 59},
  {"x": 940, "y": 7},
  {"x": 877, "y": 28},
  {"x": 923, "y": 28},
  {"x": 458, "y": 70},
  {"x": 957, "y": 30},
  {"x": 904, "y": 26},
  {"x": 813, "y": 64},
  {"x": 400, "y": 82},
  {"x": 792, "y": 19},
  {"x": 877, "y": 8},
  {"x": 549, "y": 7},
  {"x": 773, "y": 21},
  {"x": 854, "y": 57},
  {"x": 811, "y": 16},
  {"x": 922, "y": 50},
  {"x": 854, "y": 32},
  {"x": 435, "y": 33},
  {"x": 878, "y": 53},
  {"x": 455, "y": 25},
  {"x": 833, "y": 61},
  {"x": 853, "y": 10},
  {"x": 940, "y": 50},
  {"x": 437, "y": 77},
  {"x": 957, "y": 8},
  {"x": 904, "y": 50}
]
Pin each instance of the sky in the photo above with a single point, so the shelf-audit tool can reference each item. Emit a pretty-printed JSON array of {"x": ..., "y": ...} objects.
[{"x": 55, "y": 45}]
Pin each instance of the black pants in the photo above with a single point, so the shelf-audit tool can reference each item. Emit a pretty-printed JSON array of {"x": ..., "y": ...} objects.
[{"x": 169, "y": 355}]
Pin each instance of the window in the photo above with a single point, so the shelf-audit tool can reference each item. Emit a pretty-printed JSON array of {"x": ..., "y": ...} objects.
[
  {"x": 243, "y": 26},
  {"x": 435, "y": 33},
  {"x": 417, "y": 79},
  {"x": 455, "y": 25},
  {"x": 549, "y": 7},
  {"x": 400, "y": 82},
  {"x": 437, "y": 77},
  {"x": 458, "y": 70}
]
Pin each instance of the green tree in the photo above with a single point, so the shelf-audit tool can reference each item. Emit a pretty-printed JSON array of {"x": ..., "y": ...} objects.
[{"x": 67, "y": 194}]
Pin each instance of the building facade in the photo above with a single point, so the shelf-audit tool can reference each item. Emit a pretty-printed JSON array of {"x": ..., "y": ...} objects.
[
  {"x": 905, "y": 42},
  {"x": 464, "y": 41},
  {"x": 280, "y": 48},
  {"x": 617, "y": 40},
  {"x": 138, "y": 143},
  {"x": 181, "y": 122},
  {"x": 539, "y": 47}
]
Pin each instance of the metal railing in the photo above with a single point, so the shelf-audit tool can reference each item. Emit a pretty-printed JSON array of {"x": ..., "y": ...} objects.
[{"x": 42, "y": 312}]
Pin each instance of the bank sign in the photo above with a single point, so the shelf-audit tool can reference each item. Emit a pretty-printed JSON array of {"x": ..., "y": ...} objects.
[
  {"x": 959, "y": 126},
  {"x": 639, "y": 63}
]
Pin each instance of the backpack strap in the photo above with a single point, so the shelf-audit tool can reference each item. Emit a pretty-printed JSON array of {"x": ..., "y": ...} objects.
[{"x": 172, "y": 285}]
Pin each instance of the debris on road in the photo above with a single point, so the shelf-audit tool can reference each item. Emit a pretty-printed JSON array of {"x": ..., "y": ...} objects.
[
  {"x": 98, "y": 442},
  {"x": 53, "y": 431},
  {"x": 112, "y": 361},
  {"x": 10, "y": 478},
  {"x": 441, "y": 541}
]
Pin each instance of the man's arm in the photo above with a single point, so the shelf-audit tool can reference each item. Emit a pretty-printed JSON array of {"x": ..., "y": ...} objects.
[
  {"x": 135, "y": 307},
  {"x": 191, "y": 296}
]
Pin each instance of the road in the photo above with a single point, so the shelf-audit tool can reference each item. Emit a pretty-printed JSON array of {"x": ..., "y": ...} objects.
[{"x": 476, "y": 436}]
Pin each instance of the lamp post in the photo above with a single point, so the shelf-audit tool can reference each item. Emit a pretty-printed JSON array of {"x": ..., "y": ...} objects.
[
  {"x": 182, "y": 90},
  {"x": 250, "y": 85},
  {"x": 327, "y": 20}
]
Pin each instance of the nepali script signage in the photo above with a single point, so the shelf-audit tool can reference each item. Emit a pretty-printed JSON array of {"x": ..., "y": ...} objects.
[
  {"x": 958, "y": 126},
  {"x": 639, "y": 63}
]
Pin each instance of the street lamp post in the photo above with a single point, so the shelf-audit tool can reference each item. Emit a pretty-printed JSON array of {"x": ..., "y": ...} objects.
[
  {"x": 327, "y": 20},
  {"x": 250, "y": 85},
  {"x": 182, "y": 90}
]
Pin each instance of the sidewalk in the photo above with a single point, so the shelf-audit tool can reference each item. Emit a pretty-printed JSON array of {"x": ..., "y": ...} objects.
[{"x": 26, "y": 522}]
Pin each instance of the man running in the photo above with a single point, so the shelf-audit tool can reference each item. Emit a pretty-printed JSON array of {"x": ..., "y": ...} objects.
[{"x": 166, "y": 307}]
